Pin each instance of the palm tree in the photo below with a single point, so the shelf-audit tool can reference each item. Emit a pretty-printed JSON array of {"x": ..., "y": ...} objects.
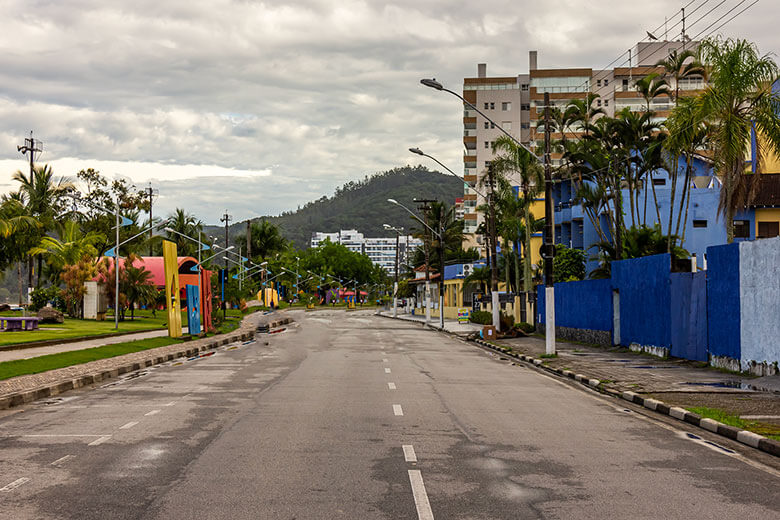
[
  {"x": 515, "y": 161},
  {"x": 739, "y": 96},
  {"x": 19, "y": 232},
  {"x": 43, "y": 194},
  {"x": 186, "y": 224},
  {"x": 69, "y": 248},
  {"x": 267, "y": 240},
  {"x": 137, "y": 287},
  {"x": 681, "y": 65},
  {"x": 652, "y": 86},
  {"x": 479, "y": 276}
]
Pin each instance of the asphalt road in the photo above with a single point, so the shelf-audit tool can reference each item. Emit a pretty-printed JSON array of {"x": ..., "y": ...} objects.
[{"x": 348, "y": 415}]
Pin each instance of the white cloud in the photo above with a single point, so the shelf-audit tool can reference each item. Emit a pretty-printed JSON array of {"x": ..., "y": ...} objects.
[{"x": 295, "y": 96}]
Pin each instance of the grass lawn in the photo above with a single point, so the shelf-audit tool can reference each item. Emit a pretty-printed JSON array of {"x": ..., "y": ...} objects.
[
  {"x": 767, "y": 430},
  {"x": 39, "y": 364}
]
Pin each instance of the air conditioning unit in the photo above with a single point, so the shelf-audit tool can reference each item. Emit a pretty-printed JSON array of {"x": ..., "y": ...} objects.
[{"x": 468, "y": 269}]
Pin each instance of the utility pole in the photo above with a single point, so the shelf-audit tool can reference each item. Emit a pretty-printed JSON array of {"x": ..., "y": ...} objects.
[
  {"x": 249, "y": 238},
  {"x": 31, "y": 146},
  {"x": 151, "y": 192},
  {"x": 549, "y": 245},
  {"x": 226, "y": 219},
  {"x": 494, "y": 299},
  {"x": 425, "y": 208},
  {"x": 395, "y": 285}
]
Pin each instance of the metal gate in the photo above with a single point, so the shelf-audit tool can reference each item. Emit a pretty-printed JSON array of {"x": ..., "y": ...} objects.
[{"x": 689, "y": 315}]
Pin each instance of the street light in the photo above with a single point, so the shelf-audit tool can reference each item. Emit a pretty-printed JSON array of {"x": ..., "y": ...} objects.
[
  {"x": 441, "y": 261},
  {"x": 395, "y": 285},
  {"x": 549, "y": 246}
]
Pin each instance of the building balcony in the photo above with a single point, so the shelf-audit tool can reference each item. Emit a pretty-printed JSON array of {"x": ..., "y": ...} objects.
[{"x": 470, "y": 179}]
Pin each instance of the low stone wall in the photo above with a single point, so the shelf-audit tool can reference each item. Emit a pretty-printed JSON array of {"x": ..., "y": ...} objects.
[
  {"x": 594, "y": 337},
  {"x": 661, "y": 352}
]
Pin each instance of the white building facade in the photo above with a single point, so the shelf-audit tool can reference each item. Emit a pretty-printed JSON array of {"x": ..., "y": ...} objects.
[{"x": 381, "y": 251}]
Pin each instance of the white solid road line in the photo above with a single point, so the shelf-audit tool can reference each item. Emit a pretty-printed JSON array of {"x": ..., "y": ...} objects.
[
  {"x": 391, "y": 386},
  {"x": 397, "y": 410},
  {"x": 387, "y": 371},
  {"x": 15, "y": 484},
  {"x": 99, "y": 441},
  {"x": 128, "y": 425},
  {"x": 153, "y": 412},
  {"x": 409, "y": 454},
  {"x": 61, "y": 460},
  {"x": 420, "y": 496}
]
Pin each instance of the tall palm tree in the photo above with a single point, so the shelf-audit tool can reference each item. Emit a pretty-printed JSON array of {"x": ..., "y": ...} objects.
[
  {"x": 739, "y": 96},
  {"x": 186, "y": 224},
  {"x": 652, "y": 86},
  {"x": 515, "y": 161},
  {"x": 43, "y": 195},
  {"x": 267, "y": 240},
  {"x": 19, "y": 232},
  {"x": 681, "y": 65},
  {"x": 138, "y": 288}
]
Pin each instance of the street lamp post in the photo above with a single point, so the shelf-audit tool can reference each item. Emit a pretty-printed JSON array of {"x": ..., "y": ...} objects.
[
  {"x": 549, "y": 246},
  {"x": 398, "y": 232},
  {"x": 441, "y": 257}
]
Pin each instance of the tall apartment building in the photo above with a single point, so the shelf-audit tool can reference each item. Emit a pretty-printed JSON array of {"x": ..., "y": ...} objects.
[
  {"x": 516, "y": 103},
  {"x": 381, "y": 251}
]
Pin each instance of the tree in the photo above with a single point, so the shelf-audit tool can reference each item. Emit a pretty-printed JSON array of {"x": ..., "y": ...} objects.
[
  {"x": 514, "y": 160},
  {"x": 479, "y": 276},
  {"x": 652, "y": 86},
  {"x": 568, "y": 264},
  {"x": 137, "y": 286},
  {"x": 267, "y": 240},
  {"x": 186, "y": 224},
  {"x": 69, "y": 248},
  {"x": 640, "y": 241},
  {"x": 681, "y": 65},
  {"x": 739, "y": 96},
  {"x": 74, "y": 276},
  {"x": 20, "y": 232}
]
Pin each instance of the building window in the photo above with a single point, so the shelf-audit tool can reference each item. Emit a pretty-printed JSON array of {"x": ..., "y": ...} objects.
[
  {"x": 659, "y": 182},
  {"x": 625, "y": 85},
  {"x": 506, "y": 125},
  {"x": 598, "y": 103},
  {"x": 492, "y": 106},
  {"x": 606, "y": 82},
  {"x": 506, "y": 106},
  {"x": 524, "y": 86},
  {"x": 768, "y": 229},
  {"x": 525, "y": 106},
  {"x": 606, "y": 102},
  {"x": 525, "y": 126},
  {"x": 487, "y": 125},
  {"x": 487, "y": 164},
  {"x": 741, "y": 229},
  {"x": 487, "y": 105},
  {"x": 492, "y": 125},
  {"x": 598, "y": 82},
  {"x": 700, "y": 223},
  {"x": 487, "y": 144}
]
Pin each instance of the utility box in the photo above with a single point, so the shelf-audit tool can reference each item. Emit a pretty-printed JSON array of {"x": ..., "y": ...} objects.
[
  {"x": 95, "y": 301},
  {"x": 488, "y": 332}
]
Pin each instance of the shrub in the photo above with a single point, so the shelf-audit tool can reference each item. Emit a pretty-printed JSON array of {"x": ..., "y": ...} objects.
[
  {"x": 481, "y": 317},
  {"x": 41, "y": 296},
  {"x": 526, "y": 327},
  {"x": 507, "y": 322}
]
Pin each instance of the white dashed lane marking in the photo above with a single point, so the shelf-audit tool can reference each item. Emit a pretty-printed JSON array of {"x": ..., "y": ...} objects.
[
  {"x": 420, "y": 496},
  {"x": 99, "y": 441},
  {"x": 397, "y": 410},
  {"x": 409, "y": 455},
  {"x": 387, "y": 371},
  {"x": 61, "y": 460},
  {"x": 153, "y": 412},
  {"x": 170, "y": 404},
  {"x": 128, "y": 425},
  {"x": 391, "y": 386},
  {"x": 15, "y": 484}
]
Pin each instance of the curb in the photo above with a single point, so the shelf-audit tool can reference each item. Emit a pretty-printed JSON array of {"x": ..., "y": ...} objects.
[
  {"x": 28, "y": 396},
  {"x": 743, "y": 436}
]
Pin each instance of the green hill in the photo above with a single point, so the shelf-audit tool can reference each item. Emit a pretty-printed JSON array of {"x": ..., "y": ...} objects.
[{"x": 363, "y": 205}]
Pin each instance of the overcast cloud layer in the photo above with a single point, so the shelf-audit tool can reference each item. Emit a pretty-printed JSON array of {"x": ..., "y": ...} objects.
[{"x": 259, "y": 107}]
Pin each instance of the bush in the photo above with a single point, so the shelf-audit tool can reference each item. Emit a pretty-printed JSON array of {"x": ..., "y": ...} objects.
[
  {"x": 42, "y": 296},
  {"x": 507, "y": 322},
  {"x": 525, "y": 327},
  {"x": 481, "y": 317}
]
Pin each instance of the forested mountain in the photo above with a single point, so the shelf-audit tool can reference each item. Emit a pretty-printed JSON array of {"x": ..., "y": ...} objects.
[{"x": 363, "y": 205}]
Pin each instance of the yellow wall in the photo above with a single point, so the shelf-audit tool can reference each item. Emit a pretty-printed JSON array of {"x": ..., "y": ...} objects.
[{"x": 767, "y": 215}]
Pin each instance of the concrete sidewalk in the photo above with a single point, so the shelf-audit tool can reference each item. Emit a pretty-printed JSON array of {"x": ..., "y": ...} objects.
[
  {"x": 451, "y": 326},
  {"x": 678, "y": 382},
  {"x": 26, "y": 353}
]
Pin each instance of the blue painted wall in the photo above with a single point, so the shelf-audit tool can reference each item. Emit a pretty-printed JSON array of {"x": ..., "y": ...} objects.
[
  {"x": 581, "y": 305},
  {"x": 645, "y": 300},
  {"x": 723, "y": 306}
]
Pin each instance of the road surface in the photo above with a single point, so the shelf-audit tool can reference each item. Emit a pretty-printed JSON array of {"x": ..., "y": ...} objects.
[{"x": 347, "y": 415}]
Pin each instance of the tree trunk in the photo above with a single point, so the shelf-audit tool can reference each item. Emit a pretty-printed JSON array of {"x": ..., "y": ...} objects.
[
  {"x": 686, "y": 191},
  {"x": 527, "y": 257},
  {"x": 19, "y": 269},
  {"x": 672, "y": 203}
]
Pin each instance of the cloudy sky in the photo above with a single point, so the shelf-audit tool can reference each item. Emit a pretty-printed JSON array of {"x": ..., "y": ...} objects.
[{"x": 258, "y": 107}]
